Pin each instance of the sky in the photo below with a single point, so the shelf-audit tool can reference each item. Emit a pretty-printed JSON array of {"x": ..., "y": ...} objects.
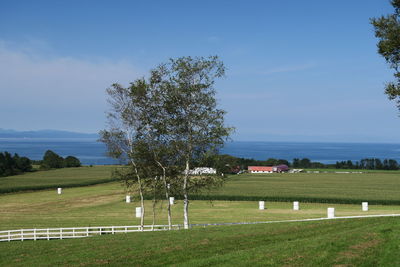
[{"x": 296, "y": 70}]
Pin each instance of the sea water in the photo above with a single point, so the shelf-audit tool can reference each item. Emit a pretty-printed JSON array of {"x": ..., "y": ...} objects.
[{"x": 89, "y": 151}]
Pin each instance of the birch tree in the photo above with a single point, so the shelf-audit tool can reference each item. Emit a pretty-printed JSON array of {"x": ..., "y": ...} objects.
[
  {"x": 192, "y": 121},
  {"x": 124, "y": 135}
]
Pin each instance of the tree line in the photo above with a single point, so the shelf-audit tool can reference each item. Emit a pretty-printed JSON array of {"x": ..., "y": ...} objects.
[
  {"x": 12, "y": 165},
  {"x": 52, "y": 160},
  {"x": 231, "y": 164}
]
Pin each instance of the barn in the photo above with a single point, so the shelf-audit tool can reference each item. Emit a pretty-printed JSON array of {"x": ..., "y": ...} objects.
[
  {"x": 260, "y": 169},
  {"x": 268, "y": 169}
]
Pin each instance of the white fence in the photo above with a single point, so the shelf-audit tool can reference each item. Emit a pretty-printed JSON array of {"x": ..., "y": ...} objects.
[
  {"x": 79, "y": 232},
  {"x": 76, "y": 232}
]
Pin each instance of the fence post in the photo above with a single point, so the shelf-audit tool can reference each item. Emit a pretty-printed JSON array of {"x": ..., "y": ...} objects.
[
  {"x": 48, "y": 234},
  {"x": 73, "y": 232},
  {"x": 61, "y": 233},
  {"x": 112, "y": 229},
  {"x": 9, "y": 236},
  {"x": 34, "y": 234},
  {"x": 331, "y": 213},
  {"x": 126, "y": 230},
  {"x": 22, "y": 234}
]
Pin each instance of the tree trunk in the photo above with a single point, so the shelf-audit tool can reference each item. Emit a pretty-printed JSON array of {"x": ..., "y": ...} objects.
[
  {"x": 185, "y": 198},
  {"x": 141, "y": 195},
  {"x": 154, "y": 203},
  {"x": 166, "y": 195}
]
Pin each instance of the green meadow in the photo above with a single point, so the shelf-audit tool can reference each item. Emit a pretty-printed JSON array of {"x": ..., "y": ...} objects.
[
  {"x": 342, "y": 242},
  {"x": 356, "y": 242}
]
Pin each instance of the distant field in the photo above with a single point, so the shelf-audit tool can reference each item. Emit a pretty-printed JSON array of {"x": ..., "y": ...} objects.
[
  {"x": 379, "y": 188},
  {"x": 376, "y": 187},
  {"x": 55, "y": 178},
  {"x": 104, "y": 204},
  {"x": 357, "y": 242}
]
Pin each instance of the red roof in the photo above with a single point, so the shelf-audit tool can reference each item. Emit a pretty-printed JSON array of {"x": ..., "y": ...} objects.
[{"x": 260, "y": 168}]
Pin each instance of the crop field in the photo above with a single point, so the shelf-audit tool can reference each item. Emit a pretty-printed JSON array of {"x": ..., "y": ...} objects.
[
  {"x": 379, "y": 188},
  {"x": 55, "y": 178}
]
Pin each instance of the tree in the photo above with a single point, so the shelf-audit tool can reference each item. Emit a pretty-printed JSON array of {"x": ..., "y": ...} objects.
[
  {"x": 387, "y": 30},
  {"x": 124, "y": 137},
  {"x": 194, "y": 124},
  {"x": 71, "y": 161},
  {"x": 51, "y": 160}
]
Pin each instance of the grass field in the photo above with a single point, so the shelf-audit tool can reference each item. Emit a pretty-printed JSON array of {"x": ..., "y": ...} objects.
[
  {"x": 379, "y": 188},
  {"x": 66, "y": 177},
  {"x": 357, "y": 242},
  {"x": 366, "y": 242},
  {"x": 104, "y": 205}
]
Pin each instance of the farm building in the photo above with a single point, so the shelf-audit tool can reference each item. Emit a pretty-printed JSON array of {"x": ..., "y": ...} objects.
[
  {"x": 260, "y": 169},
  {"x": 202, "y": 170},
  {"x": 268, "y": 169},
  {"x": 280, "y": 168}
]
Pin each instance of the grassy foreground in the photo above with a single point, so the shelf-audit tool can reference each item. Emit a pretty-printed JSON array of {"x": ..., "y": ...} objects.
[
  {"x": 377, "y": 188},
  {"x": 361, "y": 242},
  {"x": 66, "y": 177}
]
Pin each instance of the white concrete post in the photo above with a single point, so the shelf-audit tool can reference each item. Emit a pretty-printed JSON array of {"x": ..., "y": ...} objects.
[
  {"x": 171, "y": 200},
  {"x": 59, "y": 190},
  {"x": 296, "y": 205},
  {"x": 364, "y": 206},
  {"x": 138, "y": 212},
  {"x": 331, "y": 213},
  {"x": 128, "y": 199},
  {"x": 261, "y": 205}
]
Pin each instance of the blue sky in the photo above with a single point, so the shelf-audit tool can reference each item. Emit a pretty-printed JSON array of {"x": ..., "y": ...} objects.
[{"x": 297, "y": 70}]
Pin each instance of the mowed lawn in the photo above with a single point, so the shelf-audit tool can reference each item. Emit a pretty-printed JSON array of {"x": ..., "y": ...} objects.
[
  {"x": 56, "y": 178},
  {"x": 104, "y": 205},
  {"x": 316, "y": 187},
  {"x": 356, "y": 242}
]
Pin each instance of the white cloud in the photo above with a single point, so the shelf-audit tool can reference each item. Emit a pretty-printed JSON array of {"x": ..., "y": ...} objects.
[{"x": 56, "y": 86}]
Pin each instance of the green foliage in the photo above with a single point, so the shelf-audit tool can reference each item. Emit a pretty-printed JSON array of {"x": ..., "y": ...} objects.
[
  {"x": 12, "y": 165},
  {"x": 71, "y": 161},
  {"x": 51, "y": 160},
  {"x": 387, "y": 30}
]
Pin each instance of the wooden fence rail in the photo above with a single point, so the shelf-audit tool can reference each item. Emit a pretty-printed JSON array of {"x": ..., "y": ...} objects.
[{"x": 76, "y": 232}]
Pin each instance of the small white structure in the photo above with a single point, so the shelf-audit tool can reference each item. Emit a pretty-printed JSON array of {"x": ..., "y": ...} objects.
[
  {"x": 261, "y": 205},
  {"x": 59, "y": 190},
  {"x": 128, "y": 199},
  {"x": 331, "y": 213},
  {"x": 171, "y": 200},
  {"x": 364, "y": 206},
  {"x": 296, "y": 205},
  {"x": 138, "y": 212},
  {"x": 202, "y": 170}
]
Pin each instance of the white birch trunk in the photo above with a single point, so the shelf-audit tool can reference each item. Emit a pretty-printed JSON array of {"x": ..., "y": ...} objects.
[{"x": 185, "y": 198}]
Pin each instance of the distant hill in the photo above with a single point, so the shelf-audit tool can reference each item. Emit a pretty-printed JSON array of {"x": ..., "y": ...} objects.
[{"x": 5, "y": 133}]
